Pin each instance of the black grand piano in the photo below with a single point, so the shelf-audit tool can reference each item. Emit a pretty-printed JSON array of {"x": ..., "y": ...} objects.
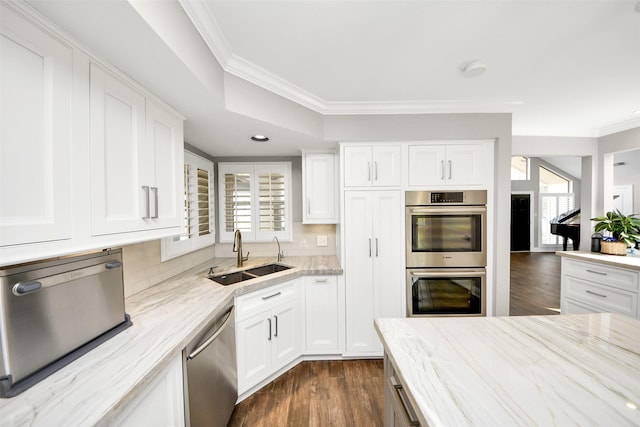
[{"x": 563, "y": 225}]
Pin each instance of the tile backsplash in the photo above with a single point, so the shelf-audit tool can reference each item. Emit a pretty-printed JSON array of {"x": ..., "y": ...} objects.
[{"x": 143, "y": 269}]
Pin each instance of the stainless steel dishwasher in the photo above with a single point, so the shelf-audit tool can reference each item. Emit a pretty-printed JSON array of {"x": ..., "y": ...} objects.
[{"x": 211, "y": 380}]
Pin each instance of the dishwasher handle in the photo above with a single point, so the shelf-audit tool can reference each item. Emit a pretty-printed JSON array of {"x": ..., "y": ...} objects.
[{"x": 213, "y": 337}]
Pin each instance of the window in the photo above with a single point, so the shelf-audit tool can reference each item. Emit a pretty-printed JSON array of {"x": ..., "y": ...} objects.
[
  {"x": 255, "y": 199},
  {"x": 555, "y": 198},
  {"x": 519, "y": 168},
  {"x": 197, "y": 230},
  {"x": 551, "y": 182}
]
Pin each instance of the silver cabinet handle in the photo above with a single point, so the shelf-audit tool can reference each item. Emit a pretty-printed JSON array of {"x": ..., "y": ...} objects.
[
  {"x": 596, "y": 294},
  {"x": 369, "y": 247},
  {"x": 376, "y": 246},
  {"x": 308, "y": 207},
  {"x": 375, "y": 170},
  {"x": 155, "y": 191},
  {"x": 146, "y": 191},
  {"x": 213, "y": 337},
  {"x": 442, "y": 169},
  {"x": 269, "y": 338},
  {"x": 271, "y": 296},
  {"x": 449, "y": 169},
  {"x": 276, "y": 317},
  {"x": 413, "y": 419},
  {"x": 368, "y": 171},
  {"x": 597, "y": 272},
  {"x": 321, "y": 280}
]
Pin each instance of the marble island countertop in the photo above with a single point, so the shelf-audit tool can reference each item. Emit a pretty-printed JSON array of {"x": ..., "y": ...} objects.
[
  {"x": 95, "y": 388},
  {"x": 568, "y": 370},
  {"x": 628, "y": 261}
]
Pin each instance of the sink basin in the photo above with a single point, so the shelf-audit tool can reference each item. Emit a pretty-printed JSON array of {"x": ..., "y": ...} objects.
[
  {"x": 231, "y": 278},
  {"x": 267, "y": 269},
  {"x": 251, "y": 273}
]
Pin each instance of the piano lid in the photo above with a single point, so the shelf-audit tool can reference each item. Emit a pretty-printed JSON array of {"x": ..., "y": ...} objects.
[{"x": 565, "y": 216}]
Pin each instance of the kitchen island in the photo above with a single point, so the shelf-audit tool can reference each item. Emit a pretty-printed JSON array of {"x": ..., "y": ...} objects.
[{"x": 516, "y": 371}]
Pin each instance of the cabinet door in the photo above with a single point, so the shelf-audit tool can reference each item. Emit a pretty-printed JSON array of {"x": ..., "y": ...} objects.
[
  {"x": 320, "y": 189},
  {"x": 360, "y": 335},
  {"x": 118, "y": 201},
  {"x": 357, "y": 166},
  {"x": 35, "y": 104},
  {"x": 163, "y": 169},
  {"x": 253, "y": 339},
  {"x": 388, "y": 266},
  {"x": 426, "y": 165},
  {"x": 386, "y": 165},
  {"x": 160, "y": 403},
  {"x": 464, "y": 164},
  {"x": 321, "y": 315},
  {"x": 286, "y": 335}
]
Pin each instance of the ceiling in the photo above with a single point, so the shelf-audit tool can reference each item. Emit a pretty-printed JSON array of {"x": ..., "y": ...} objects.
[{"x": 563, "y": 68}]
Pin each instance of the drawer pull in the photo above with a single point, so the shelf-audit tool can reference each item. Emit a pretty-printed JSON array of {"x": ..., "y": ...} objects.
[
  {"x": 321, "y": 280},
  {"x": 413, "y": 419},
  {"x": 597, "y": 272},
  {"x": 271, "y": 296},
  {"x": 596, "y": 294}
]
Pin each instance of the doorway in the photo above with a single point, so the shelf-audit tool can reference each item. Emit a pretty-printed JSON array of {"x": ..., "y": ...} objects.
[{"x": 520, "y": 222}]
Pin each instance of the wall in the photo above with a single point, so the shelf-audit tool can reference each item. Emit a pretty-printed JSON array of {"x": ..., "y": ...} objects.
[
  {"x": 143, "y": 269},
  {"x": 608, "y": 145},
  {"x": 533, "y": 185},
  {"x": 424, "y": 127}
]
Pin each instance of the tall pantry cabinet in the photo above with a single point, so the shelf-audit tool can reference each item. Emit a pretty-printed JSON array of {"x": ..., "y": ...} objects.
[{"x": 373, "y": 228}]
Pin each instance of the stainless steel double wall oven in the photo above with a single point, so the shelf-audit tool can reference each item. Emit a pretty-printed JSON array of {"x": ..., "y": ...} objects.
[{"x": 446, "y": 252}]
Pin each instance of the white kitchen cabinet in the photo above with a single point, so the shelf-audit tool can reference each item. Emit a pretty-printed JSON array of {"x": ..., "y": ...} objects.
[
  {"x": 591, "y": 287},
  {"x": 319, "y": 188},
  {"x": 372, "y": 165},
  {"x": 446, "y": 164},
  {"x": 136, "y": 159},
  {"x": 35, "y": 120},
  {"x": 268, "y": 332},
  {"x": 161, "y": 403},
  {"x": 374, "y": 270},
  {"x": 322, "y": 302}
]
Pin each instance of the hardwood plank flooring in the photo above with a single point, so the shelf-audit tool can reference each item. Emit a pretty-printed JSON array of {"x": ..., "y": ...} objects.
[
  {"x": 318, "y": 394},
  {"x": 535, "y": 283}
]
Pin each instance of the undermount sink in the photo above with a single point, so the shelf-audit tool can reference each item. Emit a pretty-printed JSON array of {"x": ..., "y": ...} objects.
[{"x": 251, "y": 273}]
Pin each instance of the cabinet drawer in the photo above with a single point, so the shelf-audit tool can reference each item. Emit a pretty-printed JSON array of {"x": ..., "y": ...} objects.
[
  {"x": 601, "y": 296},
  {"x": 570, "y": 306},
  {"x": 264, "y": 299},
  {"x": 611, "y": 276}
]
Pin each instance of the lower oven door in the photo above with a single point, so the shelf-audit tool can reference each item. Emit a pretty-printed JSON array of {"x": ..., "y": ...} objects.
[{"x": 446, "y": 292}]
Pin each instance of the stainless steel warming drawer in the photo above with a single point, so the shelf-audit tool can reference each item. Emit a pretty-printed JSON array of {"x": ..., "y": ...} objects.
[{"x": 54, "y": 311}]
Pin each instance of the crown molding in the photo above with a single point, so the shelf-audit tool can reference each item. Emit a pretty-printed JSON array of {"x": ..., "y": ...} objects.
[
  {"x": 631, "y": 123},
  {"x": 202, "y": 18}
]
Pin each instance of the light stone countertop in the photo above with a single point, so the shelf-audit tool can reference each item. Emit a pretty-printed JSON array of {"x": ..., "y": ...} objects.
[
  {"x": 567, "y": 370},
  {"x": 630, "y": 262},
  {"x": 95, "y": 388}
]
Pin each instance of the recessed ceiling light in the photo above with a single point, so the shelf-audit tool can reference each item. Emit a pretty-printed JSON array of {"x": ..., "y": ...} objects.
[
  {"x": 473, "y": 68},
  {"x": 260, "y": 138},
  {"x": 636, "y": 112}
]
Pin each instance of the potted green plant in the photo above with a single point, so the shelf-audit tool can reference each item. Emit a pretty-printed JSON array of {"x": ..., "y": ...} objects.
[{"x": 624, "y": 230}]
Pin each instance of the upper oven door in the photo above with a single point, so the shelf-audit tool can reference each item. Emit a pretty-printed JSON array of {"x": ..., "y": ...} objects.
[{"x": 446, "y": 236}]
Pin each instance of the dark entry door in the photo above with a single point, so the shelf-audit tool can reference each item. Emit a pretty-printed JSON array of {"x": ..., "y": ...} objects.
[{"x": 520, "y": 225}]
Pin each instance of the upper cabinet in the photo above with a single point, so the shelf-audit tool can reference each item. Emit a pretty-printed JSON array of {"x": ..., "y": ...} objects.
[
  {"x": 136, "y": 159},
  {"x": 319, "y": 188},
  {"x": 372, "y": 166},
  {"x": 447, "y": 164},
  {"x": 35, "y": 106}
]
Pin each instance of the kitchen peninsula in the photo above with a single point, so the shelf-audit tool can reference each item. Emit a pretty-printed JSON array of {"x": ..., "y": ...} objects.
[{"x": 526, "y": 371}]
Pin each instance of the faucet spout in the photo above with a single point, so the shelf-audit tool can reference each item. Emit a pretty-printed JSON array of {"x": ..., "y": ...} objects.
[
  {"x": 237, "y": 247},
  {"x": 280, "y": 254}
]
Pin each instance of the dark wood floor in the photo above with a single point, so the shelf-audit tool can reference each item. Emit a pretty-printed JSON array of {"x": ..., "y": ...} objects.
[
  {"x": 535, "y": 283},
  {"x": 350, "y": 392},
  {"x": 319, "y": 393}
]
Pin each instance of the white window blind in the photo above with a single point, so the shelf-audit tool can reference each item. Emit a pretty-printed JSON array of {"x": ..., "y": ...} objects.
[
  {"x": 255, "y": 199},
  {"x": 552, "y": 205},
  {"x": 197, "y": 231}
]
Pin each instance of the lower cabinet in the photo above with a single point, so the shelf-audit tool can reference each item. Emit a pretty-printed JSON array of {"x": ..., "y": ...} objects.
[
  {"x": 160, "y": 404},
  {"x": 323, "y": 305},
  {"x": 398, "y": 410},
  {"x": 268, "y": 332},
  {"x": 591, "y": 287}
]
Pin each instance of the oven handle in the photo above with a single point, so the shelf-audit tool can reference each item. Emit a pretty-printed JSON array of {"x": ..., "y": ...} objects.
[
  {"x": 447, "y": 209},
  {"x": 464, "y": 272}
]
